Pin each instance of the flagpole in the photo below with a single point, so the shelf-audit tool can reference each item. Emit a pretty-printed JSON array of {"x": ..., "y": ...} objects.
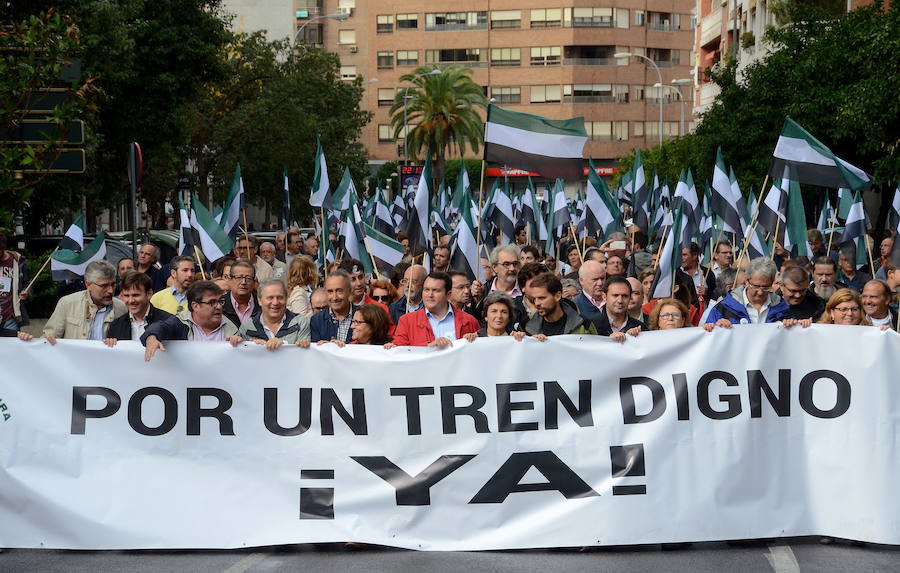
[
  {"x": 869, "y": 252},
  {"x": 831, "y": 236},
  {"x": 709, "y": 266},
  {"x": 775, "y": 237},
  {"x": 661, "y": 243},
  {"x": 44, "y": 266},
  {"x": 246, "y": 236},
  {"x": 374, "y": 264},
  {"x": 480, "y": 212},
  {"x": 575, "y": 240},
  {"x": 752, "y": 228},
  {"x": 199, "y": 262}
]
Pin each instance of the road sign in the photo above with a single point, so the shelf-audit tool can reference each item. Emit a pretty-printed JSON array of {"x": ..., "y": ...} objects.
[
  {"x": 45, "y": 101},
  {"x": 67, "y": 161},
  {"x": 36, "y": 131}
]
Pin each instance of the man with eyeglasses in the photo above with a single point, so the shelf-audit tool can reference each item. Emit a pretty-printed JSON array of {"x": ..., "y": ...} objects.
[
  {"x": 173, "y": 299},
  {"x": 201, "y": 321},
  {"x": 86, "y": 315},
  {"x": 803, "y": 302},
  {"x": 241, "y": 303},
  {"x": 753, "y": 303},
  {"x": 505, "y": 264},
  {"x": 411, "y": 293},
  {"x": 461, "y": 292}
]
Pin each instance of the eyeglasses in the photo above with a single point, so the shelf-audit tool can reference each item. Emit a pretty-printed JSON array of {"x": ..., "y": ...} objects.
[
  {"x": 382, "y": 298},
  {"x": 672, "y": 315},
  {"x": 357, "y": 322},
  {"x": 758, "y": 287},
  {"x": 243, "y": 279},
  {"x": 509, "y": 264},
  {"x": 846, "y": 309},
  {"x": 214, "y": 302},
  {"x": 105, "y": 286}
]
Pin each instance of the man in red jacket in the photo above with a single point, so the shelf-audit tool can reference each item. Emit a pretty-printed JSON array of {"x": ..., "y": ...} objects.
[{"x": 438, "y": 324}]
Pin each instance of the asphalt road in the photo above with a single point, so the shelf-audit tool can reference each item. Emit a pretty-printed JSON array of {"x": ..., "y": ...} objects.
[{"x": 784, "y": 556}]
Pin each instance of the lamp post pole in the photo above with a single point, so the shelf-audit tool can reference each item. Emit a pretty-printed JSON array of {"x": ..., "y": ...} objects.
[
  {"x": 658, "y": 75},
  {"x": 336, "y": 16}
]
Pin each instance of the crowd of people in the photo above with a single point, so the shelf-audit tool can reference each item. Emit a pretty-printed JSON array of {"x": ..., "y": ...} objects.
[{"x": 274, "y": 294}]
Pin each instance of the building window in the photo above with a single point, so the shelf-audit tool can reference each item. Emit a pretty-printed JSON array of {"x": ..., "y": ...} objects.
[
  {"x": 663, "y": 21},
  {"x": 385, "y": 133},
  {"x": 506, "y": 19},
  {"x": 621, "y": 18},
  {"x": 346, "y": 36},
  {"x": 444, "y": 21},
  {"x": 638, "y": 17},
  {"x": 620, "y": 130},
  {"x": 607, "y": 130},
  {"x": 506, "y": 57},
  {"x": 637, "y": 128},
  {"x": 469, "y": 57},
  {"x": 507, "y": 94},
  {"x": 546, "y": 18},
  {"x": 545, "y": 94},
  {"x": 545, "y": 56},
  {"x": 385, "y": 60},
  {"x": 595, "y": 93},
  {"x": 385, "y": 23},
  {"x": 346, "y": 4},
  {"x": 651, "y": 129},
  {"x": 407, "y": 21},
  {"x": 592, "y": 17},
  {"x": 348, "y": 72},
  {"x": 407, "y": 57},
  {"x": 385, "y": 97}
]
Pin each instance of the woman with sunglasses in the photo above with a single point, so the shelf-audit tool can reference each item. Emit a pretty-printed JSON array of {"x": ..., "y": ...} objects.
[{"x": 383, "y": 292}]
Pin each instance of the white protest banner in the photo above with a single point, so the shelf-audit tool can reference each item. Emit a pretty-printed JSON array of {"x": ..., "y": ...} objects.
[{"x": 673, "y": 436}]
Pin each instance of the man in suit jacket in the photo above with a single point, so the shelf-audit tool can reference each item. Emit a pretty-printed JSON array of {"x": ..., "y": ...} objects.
[
  {"x": 592, "y": 276},
  {"x": 438, "y": 324},
  {"x": 137, "y": 289}
]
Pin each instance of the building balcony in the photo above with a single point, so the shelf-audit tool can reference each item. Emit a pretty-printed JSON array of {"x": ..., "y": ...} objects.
[{"x": 589, "y": 61}]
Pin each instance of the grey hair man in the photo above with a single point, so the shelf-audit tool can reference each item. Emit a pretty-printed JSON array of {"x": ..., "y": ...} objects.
[
  {"x": 753, "y": 303},
  {"x": 86, "y": 315}
]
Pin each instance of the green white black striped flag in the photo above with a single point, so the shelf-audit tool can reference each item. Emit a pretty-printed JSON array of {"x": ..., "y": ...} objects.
[
  {"x": 550, "y": 147},
  {"x": 73, "y": 240},
  {"x": 669, "y": 258},
  {"x": 800, "y": 156},
  {"x": 386, "y": 251},
  {"x": 213, "y": 239},
  {"x": 234, "y": 204},
  {"x": 66, "y": 264}
]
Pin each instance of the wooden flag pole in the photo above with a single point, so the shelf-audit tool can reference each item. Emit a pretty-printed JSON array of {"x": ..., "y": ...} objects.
[
  {"x": 40, "y": 270},
  {"x": 480, "y": 207},
  {"x": 662, "y": 242},
  {"x": 775, "y": 237},
  {"x": 575, "y": 240},
  {"x": 713, "y": 255},
  {"x": 831, "y": 236},
  {"x": 199, "y": 263},
  {"x": 868, "y": 252},
  {"x": 371, "y": 257},
  {"x": 752, "y": 228}
]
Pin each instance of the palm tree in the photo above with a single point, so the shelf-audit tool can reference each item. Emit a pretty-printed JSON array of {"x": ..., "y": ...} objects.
[{"x": 443, "y": 106}]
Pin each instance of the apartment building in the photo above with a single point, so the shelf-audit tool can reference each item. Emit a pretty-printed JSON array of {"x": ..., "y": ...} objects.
[{"x": 553, "y": 58}]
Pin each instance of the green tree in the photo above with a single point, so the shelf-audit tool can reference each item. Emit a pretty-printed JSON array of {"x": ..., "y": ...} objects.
[
  {"x": 33, "y": 52},
  {"x": 266, "y": 115},
  {"x": 445, "y": 110},
  {"x": 835, "y": 76}
]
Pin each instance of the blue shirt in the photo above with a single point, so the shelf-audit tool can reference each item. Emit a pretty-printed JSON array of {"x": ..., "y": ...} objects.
[
  {"x": 180, "y": 297},
  {"x": 445, "y": 327},
  {"x": 97, "y": 325}
]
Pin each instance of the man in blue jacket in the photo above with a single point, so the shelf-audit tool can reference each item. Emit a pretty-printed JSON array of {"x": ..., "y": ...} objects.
[{"x": 753, "y": 303}]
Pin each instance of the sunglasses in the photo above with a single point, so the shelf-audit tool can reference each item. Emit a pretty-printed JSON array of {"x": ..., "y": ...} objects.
[{"x": 382, "y": 298}]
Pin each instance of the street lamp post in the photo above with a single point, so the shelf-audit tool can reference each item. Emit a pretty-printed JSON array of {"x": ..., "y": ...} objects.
[
  {"x": 658, "y": 75},
  {"x": 680, "y": 99},
  {"x": 336, "y": 16},
  {"x": 680, "y": 82},
  {"x": 406, "y": 98}
]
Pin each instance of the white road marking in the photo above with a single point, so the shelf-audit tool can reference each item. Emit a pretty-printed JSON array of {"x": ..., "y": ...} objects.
[
  {"x": 246, "y": 563},
  {"x": 782, "y": 559}
]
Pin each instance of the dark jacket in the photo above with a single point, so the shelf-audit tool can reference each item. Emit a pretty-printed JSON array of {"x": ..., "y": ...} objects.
[
  {"x": 230, "y": 313},
  {"x": 120, "y": 328},
  {"x": 398, "y": 309},
  {"x": 811, "y": 307},
  {"x": 731, "y": 309},
  {"x": 575, "y": 323},
  {"x": 604, "y": 327},
  {"x": 710, "y": 282},
  {"x": 587, "y": 309},
  {"x": 521, "y": 315},
  {"x": 323, "y": 327},
  {"x": 178, "y": 327}
]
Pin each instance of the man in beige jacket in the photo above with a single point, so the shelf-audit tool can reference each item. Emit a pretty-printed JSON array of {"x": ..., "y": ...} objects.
[{"x": 86, "y": 315}]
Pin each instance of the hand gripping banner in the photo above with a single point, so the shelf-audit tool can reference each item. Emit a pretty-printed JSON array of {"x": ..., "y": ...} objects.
[{"x": 673, "y": 436}]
